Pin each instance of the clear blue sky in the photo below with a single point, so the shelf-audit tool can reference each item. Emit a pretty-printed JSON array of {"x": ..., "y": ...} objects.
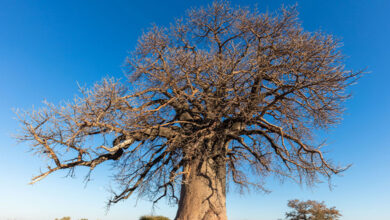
[{"x": 48, "y": 46}]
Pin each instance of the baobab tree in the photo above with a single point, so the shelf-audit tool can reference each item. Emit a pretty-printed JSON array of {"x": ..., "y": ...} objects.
[{"x": 225, "y": 94}]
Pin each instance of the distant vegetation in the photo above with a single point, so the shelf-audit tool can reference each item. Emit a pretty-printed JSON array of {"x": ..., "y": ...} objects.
[
  {"x": 311, "y": 210},
  {"x": 68, "y": 218},
  {"x": 63, "y": 218},
  {"x": 153, "y": 218},
  {"x": 145, "y": 217}
]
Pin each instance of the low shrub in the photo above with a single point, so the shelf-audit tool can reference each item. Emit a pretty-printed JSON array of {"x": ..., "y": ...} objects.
[{"x": 153, "y": 218}]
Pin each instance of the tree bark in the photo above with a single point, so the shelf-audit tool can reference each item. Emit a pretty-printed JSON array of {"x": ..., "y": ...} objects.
[{"x": 203, "y": 191}]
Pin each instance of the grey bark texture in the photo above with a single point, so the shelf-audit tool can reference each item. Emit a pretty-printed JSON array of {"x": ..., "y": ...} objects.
[{"x": 203, "y": 192}]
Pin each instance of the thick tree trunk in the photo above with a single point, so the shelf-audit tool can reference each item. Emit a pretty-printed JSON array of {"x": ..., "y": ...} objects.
[{"x": 203, "y": 192}]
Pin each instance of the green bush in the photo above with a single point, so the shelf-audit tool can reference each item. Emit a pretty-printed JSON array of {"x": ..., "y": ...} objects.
[
  {"x": 153, "y": 218},
  {"x": 64, "y": 218}
]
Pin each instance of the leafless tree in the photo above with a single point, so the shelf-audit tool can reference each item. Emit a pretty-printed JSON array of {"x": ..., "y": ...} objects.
[
  {"x": 311, "y": 210},
  {"x": 220, "y": 94}
]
